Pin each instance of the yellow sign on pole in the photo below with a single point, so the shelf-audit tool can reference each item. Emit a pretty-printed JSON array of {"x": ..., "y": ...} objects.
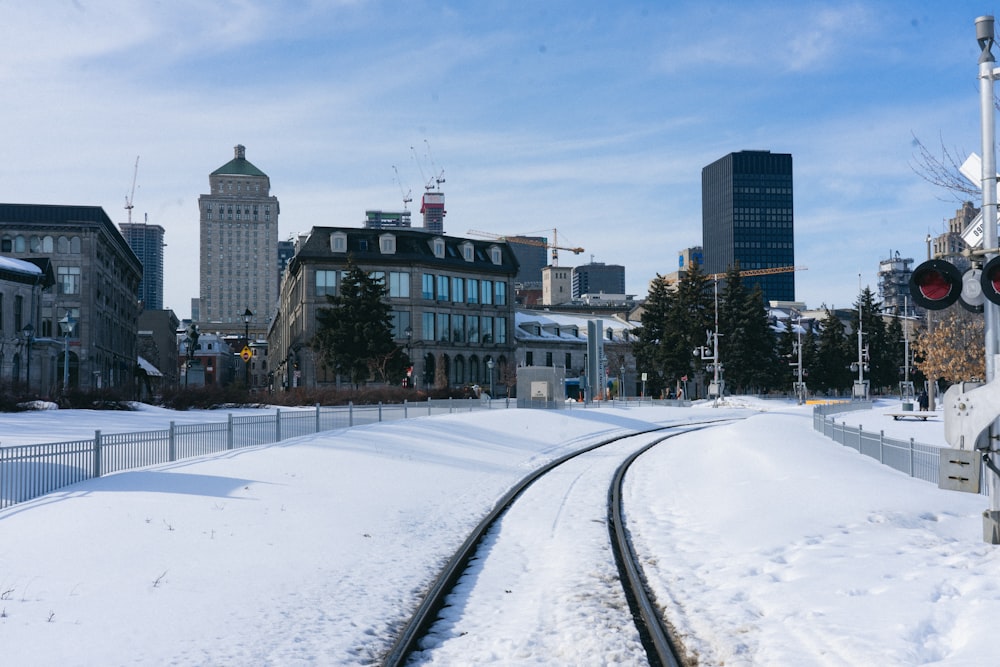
[{"x": 245, "y": 354}]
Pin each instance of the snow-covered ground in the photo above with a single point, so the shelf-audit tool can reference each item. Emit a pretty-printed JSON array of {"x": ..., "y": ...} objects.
[{"x": 767, "y": 543}]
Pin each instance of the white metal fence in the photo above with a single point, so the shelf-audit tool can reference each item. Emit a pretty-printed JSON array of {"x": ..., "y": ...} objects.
[
  {"x": 913, "y": 458},
  {"x": 29, "y": 471}
]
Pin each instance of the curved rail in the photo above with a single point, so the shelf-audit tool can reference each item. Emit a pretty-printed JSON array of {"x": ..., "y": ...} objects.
[
  {"x": 429, "y": 609},
  {"x": 660, "y": 648}
]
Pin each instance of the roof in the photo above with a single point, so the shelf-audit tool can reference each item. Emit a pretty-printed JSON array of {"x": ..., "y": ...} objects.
[
  {"x": 239, "y": 166},
  {"x": 149, "y": 368}
]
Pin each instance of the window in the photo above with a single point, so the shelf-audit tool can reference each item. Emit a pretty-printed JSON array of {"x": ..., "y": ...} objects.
[
  {"x": 377, "y": 277},
  {"x": 69, "y": 279},
  {"x": 35, "y": 244},
  {"x": 400, "y": 321},
  {"x": 501, "y": 293},
  {"x": 427, "y": 324},
  {"x": 7, "y": 244},
  {"x": 326, "y": 283},
  {"x": 18, "y": 312},
  {"x": 458, "y": 290},
  {"x": 338, "y": 242},
  {"x": 473, "y": 330},
  {"x": 443, "y": 327},
  {"x": 468, "y": 252},
  {"x": 529, "y": 358},
  {"x": 548, "y": 359},
  {"x": 387, "y": 244},
  {"x": 487, "y": 291},
  {"x": 500, "y": 329},
  {"x": 427, "y": 286},
  {"x": 487, "y": 332},
  {"x": 472, "y": 290},
  {"x": 19, "y": 244},
  {"x": 496, "y": 256},
  {"x": 458, "y": 328},
  {"x": 442, "y": 288},
  {"x": 437, "y": 245},
  {"x": 567, "y": 360},
  {"x": 399, "y": 284}
]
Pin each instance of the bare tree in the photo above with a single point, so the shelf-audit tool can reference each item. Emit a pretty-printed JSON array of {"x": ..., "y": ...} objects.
[{"x": 943, "y": 170}]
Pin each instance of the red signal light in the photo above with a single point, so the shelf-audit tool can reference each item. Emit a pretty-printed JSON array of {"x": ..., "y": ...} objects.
[{"x": 936, "y": 284}]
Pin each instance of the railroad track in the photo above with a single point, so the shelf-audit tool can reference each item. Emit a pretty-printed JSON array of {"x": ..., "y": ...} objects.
[{"x": 651, "y": 629}]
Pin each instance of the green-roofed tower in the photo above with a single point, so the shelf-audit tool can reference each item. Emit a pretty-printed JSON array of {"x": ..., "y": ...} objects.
[{"x": 239, "y": 246}]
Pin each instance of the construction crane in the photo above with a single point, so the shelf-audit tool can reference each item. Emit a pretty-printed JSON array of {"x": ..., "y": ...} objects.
[
  {"x": 131, "y": 197},
  {"x": 523, "y": 240},
  {"x": 406, "y": 195},
  {"x": 760, "y": 272}
]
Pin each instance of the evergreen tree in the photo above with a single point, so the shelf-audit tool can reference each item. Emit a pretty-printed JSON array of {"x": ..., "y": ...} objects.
[
  {"x": 649, "y": 357},
  {"x": 882, "y": 370},
  {"x": 830, "y": 371},
  {"x": 749, "y": 343},
  {"x": 354, "y": 334}
]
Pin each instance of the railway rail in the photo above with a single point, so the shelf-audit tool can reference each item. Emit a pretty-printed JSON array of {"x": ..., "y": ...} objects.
[{"x": 653, "y": 631}]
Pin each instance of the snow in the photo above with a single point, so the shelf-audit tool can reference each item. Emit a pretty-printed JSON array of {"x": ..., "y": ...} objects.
[{"x": 766, "y": 542}]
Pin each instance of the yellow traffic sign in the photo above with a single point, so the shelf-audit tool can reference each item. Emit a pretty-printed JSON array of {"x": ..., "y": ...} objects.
[{"x": 245, "y": 354}]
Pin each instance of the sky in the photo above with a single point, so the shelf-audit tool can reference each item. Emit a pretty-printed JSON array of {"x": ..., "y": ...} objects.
[
  {"x": 587, "y": 122},
  {"x": 762, "y": 550}
]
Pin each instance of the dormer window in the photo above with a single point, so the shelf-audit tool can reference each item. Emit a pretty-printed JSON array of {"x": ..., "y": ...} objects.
[
  {"x": 468, "y": 252},
  {"x": 338, "y": 242},
  {"x": 437, "y": 246},
  {"x": 387, "y": 244},
  {"x": 496, "y": 256}
]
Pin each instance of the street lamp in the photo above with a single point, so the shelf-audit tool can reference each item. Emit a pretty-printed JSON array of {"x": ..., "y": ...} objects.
[
  {"x": 489, "y": 365},
  {"x": 409, "y": 336},
  {"x": 66, "y": 325},
  {"x": 29, "y": 336},
  {"x": 247, "y": 316}
]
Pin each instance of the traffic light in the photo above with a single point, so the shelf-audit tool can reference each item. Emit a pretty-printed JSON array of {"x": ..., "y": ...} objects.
[
  {"x": 936, "y": 284},
  {"x": 973, "y": 296},
  {"x": 989, "y": 280}
]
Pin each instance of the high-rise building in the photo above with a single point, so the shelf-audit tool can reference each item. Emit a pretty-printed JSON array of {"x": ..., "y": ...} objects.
[
  {"x": 598, "y": 278},
  {"x": 747, "y": 219},
  {"x": 239, "y": 246},
  {"x": 146, "y": 241}
]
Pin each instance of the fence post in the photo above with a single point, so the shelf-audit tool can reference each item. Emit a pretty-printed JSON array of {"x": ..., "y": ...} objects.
[
  {"x": 911, "y": 457},
  {"x": 172, "y": 444},
  {"x": 229, "y": 432},
  {"x": 428, "y": 406},
  {"x": 404, "y": 408},
  {"x": 380, "y": 412},
  {"x": 881, "y": 443},
  {"x": 277, "y": 425},
  {"x": 97, "y": 454},
  {"x": 451, "y": 405},
  {"x": 317, "y": 419},
  {"x": 350, "y": 413}
]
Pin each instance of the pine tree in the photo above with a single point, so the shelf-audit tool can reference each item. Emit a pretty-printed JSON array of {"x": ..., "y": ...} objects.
[
  {"x": 830, "y": 371},
  {"x": 882, "y": 369},
  {"x": 354, "y": 335},
  {"x": 749, "y": 342}
]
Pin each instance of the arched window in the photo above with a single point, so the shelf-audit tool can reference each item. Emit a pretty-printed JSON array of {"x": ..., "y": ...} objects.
[
  {"x": 459, "y": 377},
  {"x": 19, "y": 243},
  {"x": 47, "y": 244},
  {"x": 62, "y": 245},
  {"x": 74, "y": 245}
]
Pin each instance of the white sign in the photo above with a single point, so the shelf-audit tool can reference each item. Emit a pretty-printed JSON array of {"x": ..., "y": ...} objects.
[{"x": 972, "y": 169}]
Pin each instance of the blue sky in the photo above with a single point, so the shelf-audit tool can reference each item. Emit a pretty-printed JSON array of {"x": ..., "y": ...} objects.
[{"x": 591, "y": 118}]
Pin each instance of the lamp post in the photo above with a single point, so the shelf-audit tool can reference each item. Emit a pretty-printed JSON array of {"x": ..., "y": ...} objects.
[
  {"x": 29, "y": 336},
  {"x": 489, "y": 365},
  {"x": 66, "y": 325},
  {"x": 247, "y": 316},
  {"x": 409, "y": 337}
]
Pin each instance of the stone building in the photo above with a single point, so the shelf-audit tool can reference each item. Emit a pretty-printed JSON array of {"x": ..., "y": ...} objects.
[
  {"x": 96, "y": 290},
  {"x": 239, "y": 247},
  {"x": 451, "y": 298}
]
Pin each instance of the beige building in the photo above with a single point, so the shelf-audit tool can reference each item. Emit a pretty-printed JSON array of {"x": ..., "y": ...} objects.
[
  {"x": 451, "y": 298},
  {"x": 239, "y": 247}
]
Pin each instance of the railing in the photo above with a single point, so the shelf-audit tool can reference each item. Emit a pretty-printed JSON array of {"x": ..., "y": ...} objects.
[
  {"x": 29, "y": 471},
  {"x": 913, "y": 458}
]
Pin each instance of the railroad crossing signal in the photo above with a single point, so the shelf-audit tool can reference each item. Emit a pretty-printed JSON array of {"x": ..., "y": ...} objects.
[{"x": 245, "y": 353}]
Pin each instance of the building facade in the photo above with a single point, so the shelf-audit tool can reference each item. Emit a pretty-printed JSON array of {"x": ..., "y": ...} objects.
[
  {"x": 239, "y": 247},
  {"x": 451, "y": 299},
  {"x": 146, "y": 242},
  {"x": 97, "y": 284},
  {"x": 748, "y": 219}
]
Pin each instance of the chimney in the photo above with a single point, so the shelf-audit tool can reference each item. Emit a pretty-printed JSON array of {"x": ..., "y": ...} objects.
[{"x": 241, "y": 151}]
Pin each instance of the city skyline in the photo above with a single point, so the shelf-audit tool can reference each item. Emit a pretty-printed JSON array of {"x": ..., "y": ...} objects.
[{"x": 586, "y": 118}]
